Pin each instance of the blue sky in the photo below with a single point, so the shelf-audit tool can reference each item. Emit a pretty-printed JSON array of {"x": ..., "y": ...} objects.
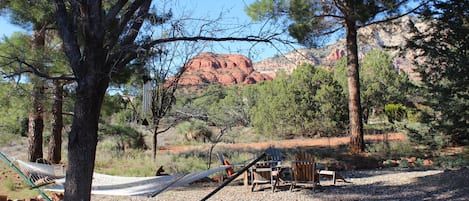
[{"x": 231, "y": 12}]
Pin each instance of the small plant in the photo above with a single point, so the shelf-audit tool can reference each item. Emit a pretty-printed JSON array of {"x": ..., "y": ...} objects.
[
  {"x": 451, "y": 161},
  {"x": 419, "y": 162},
  {"x": 404, "y": 163},
  {"x": 9, "y": 184},
  {"x": 389, "y": 163}
]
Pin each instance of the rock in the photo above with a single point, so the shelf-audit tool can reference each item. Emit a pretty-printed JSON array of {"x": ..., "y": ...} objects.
[
  {"x": 335, "y": 55},
  {"x": 427, "y": 162},
  {"x": 225, "y": 69}
]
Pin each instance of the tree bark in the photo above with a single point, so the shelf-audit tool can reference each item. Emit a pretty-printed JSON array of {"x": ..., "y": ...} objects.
[
  {"x": 55, "y": 142},
  {"x": 155, "y": 137},
  {"x": 83, "y": 139},
  {"x": 36, "y": 120},
  {"x": 355, "y": 111}
]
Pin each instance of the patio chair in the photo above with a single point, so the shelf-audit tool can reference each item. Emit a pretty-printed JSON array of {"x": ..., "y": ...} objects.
[
  {"x": 304, "y": 171},
  {"x": 266, "y": 171}
]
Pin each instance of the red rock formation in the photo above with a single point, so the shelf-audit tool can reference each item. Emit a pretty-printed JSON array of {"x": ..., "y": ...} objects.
[
  {"x": 335, "y": 55},
  {"x": 225, "y": 69}
]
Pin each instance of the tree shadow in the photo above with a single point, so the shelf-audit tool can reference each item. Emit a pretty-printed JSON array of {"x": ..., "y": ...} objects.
[{"x": 447, "y": 185}]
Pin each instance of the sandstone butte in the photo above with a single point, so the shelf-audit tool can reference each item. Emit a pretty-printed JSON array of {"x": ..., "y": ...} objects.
[{"x": 225, "y": 69}]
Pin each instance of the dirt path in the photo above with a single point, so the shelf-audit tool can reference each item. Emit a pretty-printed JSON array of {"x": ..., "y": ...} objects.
[{"x": 311, "y": 142}]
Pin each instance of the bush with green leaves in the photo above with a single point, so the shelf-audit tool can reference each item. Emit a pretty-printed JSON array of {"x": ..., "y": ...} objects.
[
  {"x": 124, "y": 136},
  {"x": 395, "y": 112},
  {"x": 444, "y": 82},
  {"x": 194, "y": 130},
  {"x": 424, "y": 134}
]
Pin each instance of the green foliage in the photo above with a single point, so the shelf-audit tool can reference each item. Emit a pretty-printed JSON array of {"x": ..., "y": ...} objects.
[
  {"x": 380, "y": 83},
  {"x": 14, "y": 111},
  {"x": 9, "y": 184},
  {"x": 456, "y": 161},
  {"x": 394, "y": 150},
  {"x": 274, "y": 112},
  {"x": 404, "y": 163},
  {"x": 321, "y": 99},
  {"x": 194, "y": 130},
  {"x": 263, "y": 9},
  {"x": 126, "y": 137},
  {"x": 312, "y": 22},
  {"x": 444, "y": 45},
  {"x": 395, "y": 112},
  {"x": 308, "y": 103},
  {"x": 27, "y": 13},
  {"x": 426, "y": 135}
]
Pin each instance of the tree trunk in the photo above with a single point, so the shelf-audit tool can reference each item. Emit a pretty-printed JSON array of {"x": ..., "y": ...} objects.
[
  {"x": 356, "y": 125},
  {"x": 83, "y": 138},
  {"x": 55, "y": 142},
  {"x": 155, "y": 137},
  {"x": 36, "y": 120}
]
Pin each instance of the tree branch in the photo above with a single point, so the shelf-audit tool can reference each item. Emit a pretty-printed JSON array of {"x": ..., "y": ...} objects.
[
  {"x": 115, "y": 9},
  {"x": 137, "y": 23},
  {"x": 67, "y": 33},
  {"x": 35, "y": 71},
  {"x": 395, "y": 17},
  {"x": 206, "y": 38}
]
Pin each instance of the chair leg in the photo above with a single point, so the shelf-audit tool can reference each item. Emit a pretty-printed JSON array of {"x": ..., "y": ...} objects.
[
  {"x": 333, "y": 178},
  {"x": 275, "y": 184},
  {"x": 253, "y": 186}
]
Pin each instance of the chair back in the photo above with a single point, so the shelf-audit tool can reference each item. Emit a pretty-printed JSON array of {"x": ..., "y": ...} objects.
[
  {"x": 273, "y": 154},
  {"x": 304, "y": 168}
]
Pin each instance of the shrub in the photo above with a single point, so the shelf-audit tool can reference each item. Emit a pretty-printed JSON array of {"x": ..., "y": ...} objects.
[
  {"x": 451, "y": 161},
  {"x": 194, "y": 130},
  {"x": 395, "y": 112},
  {"x": 404, "y": 163},
  {"x": 423, "y": 134},
  {"x": 9, "y": 184}
]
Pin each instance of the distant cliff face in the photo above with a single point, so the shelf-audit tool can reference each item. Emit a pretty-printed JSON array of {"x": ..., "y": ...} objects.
[
  {"x": 226, "y": 69},
  {"x": 379, "y": 36}
]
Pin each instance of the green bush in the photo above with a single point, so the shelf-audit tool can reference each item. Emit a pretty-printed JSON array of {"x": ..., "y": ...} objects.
[
  {"x": 124, "y": 136},
  {"x": 393, "y": 150},
  {"x": 395, "y": 112},
  {"x": 404, "y": 163},
  {"x": 194, "y": 130},
  {"x": 9, "y": 184},
  {"x": 424, "y": 134},
  {"x": 451, "y": 161}
]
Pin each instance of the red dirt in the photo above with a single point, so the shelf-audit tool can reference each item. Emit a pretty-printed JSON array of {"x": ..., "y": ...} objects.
[{"x": 307, "y": 142}]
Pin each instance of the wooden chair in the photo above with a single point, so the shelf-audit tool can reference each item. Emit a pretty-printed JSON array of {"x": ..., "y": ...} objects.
[
  {"x": 304, "y": 171},
  {"x": 266, "y": 172}
]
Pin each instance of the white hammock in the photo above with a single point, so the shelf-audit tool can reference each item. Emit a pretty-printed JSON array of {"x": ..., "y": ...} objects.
[{"x": 115, "y": 185}]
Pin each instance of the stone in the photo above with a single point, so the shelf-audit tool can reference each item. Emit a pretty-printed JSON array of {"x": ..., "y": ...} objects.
[{"x": 224, "y": 69}]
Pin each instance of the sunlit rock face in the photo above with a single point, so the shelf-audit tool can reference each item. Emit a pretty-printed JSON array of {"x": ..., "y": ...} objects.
[{"x": 225, "y": 69}]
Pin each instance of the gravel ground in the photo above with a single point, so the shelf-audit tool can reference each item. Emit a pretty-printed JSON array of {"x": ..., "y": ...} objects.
[{"x": 386, "y": 184}]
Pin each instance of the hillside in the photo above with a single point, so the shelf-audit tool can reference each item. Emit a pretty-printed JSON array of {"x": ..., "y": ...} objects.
[
  {"x": 390, "y": 37},
  {"x": 228, "y": 69}
]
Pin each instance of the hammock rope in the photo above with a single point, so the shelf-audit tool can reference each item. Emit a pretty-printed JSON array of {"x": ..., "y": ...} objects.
[{"x": 43, "y": 174}]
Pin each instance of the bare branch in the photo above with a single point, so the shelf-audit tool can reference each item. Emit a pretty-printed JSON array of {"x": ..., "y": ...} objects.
[
  {"x": 205, "y": 38},
  {"x": 32, "y": 69},
  {"x": 395, "y": 17}
]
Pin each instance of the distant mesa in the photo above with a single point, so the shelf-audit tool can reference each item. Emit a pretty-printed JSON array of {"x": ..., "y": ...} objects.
[{"x": 225, "y": 69}]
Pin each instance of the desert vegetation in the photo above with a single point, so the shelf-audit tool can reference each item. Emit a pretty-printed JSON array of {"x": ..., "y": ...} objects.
[{"x": 52, "y": 102}]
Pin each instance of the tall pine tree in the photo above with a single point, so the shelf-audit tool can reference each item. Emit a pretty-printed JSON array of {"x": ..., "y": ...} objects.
[
  {"x": 312, "y": 21},
  {"x": 444, "y": 49}
]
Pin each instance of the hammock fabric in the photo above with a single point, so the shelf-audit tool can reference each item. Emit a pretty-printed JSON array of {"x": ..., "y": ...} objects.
[{"x": 114, "y": 185}]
